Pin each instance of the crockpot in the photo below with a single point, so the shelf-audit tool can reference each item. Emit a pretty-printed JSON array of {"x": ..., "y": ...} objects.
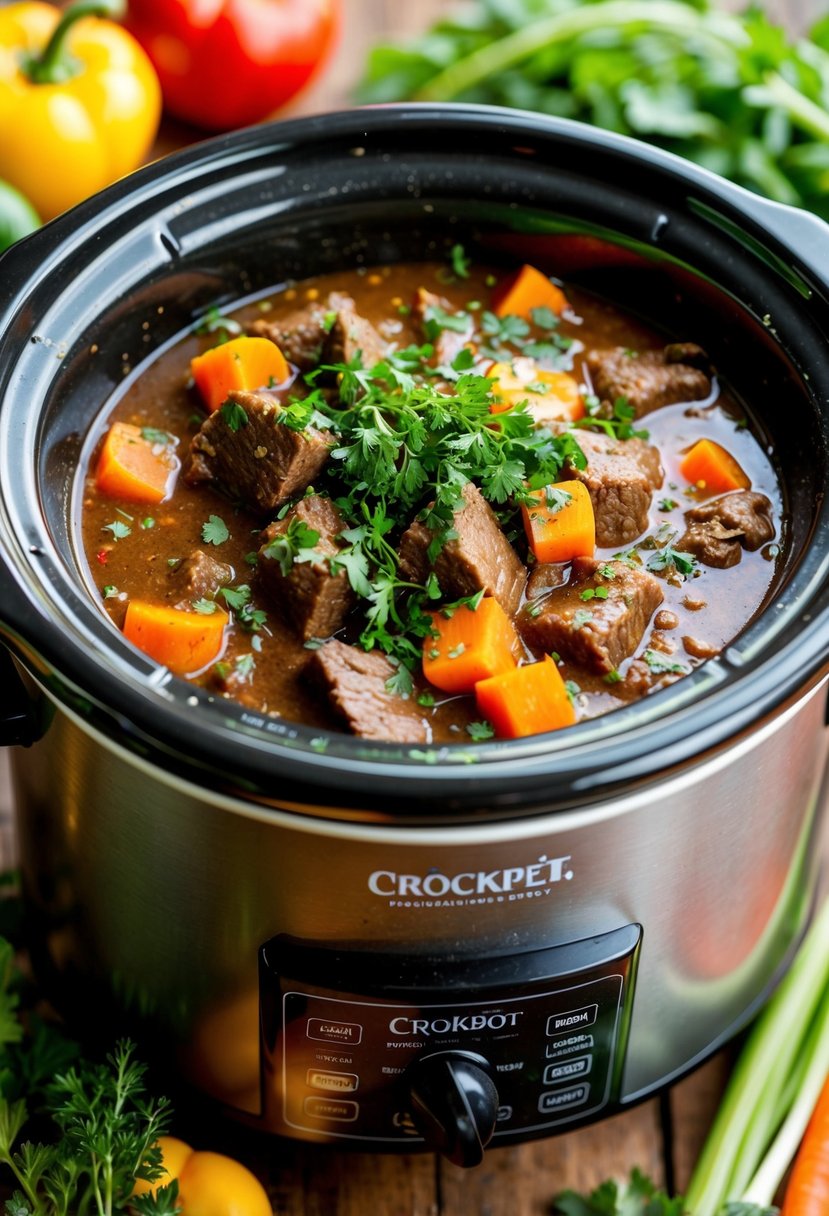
[{"x": 373, "y": 944}]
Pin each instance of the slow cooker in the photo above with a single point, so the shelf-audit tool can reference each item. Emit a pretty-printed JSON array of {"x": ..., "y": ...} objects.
[{"x": 387, "y": 946}]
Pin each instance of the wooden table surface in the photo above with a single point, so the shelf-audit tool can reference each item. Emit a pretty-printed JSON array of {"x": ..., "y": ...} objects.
[{"x": 661, "y": 1136}]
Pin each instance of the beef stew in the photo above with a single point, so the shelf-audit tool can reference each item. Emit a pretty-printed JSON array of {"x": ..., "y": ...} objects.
[{"x": 445, "y": 434}]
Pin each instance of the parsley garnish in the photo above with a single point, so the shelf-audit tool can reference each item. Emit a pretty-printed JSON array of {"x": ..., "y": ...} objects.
[
  {"x": 235, "y": 597},
  {"x": 214, "y": 323},
  {"x": 612, "y": 677},
  {"x": 156, "y": 437},
  {"x": 206, "y": 607},
  {"x": 460, "y": 262},
  {"x": 606, "y": 571},
  {"x": 234, "y": 415},
  {"x": 147, "y": 523},
  {"x": 667, "y": 556},
  {"x": 118, "y": 530},
  {"x": 214, "y": 532},
  {"x": 593, "y": 593},
  {"x": 555, "y": 500},
  {"x": 244, "y": 667},
  {"x": 619, "y": 425},
  {"x": 667, "y": 504},
  {"x": 662, "y": 662},
  {"x": 110, "y": 592},
  {"x": 436, "y": 319},
  {"x": 581, "y": 617},
  {"x": 572, "y": 689},
  {"x": 456, "y": 651},
  {"x": 296, "y": 544},
  {"x": 426, "y": 700},
  {"x": 479, "y": 731}
]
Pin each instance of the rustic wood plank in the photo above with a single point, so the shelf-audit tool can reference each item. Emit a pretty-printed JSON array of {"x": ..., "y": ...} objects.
[{"x": 524, "y": 1180}]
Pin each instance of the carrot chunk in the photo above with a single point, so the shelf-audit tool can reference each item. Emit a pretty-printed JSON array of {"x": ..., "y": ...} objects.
[
  {"x": 135, "y": 467},
  {"x": 709, "y": 467},
  {"x": 243, "y": 363},
  {"x": 183, "y": 641},
  {"x": 526, "y": 290},
  {"x": 553, "y": 395},
  {"x": 470, "y": 646},
  {"x": 560, "y": 523},
  {"x": 526, "y": 701}
]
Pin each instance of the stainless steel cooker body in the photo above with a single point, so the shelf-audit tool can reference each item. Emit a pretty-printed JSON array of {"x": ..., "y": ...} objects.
[
  {"x": 315, "y": 926},
  {"x": 157, "y": 896}
]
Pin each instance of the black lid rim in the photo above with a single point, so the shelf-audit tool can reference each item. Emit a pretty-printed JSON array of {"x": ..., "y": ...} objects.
[{"x": 170, "y": 722}]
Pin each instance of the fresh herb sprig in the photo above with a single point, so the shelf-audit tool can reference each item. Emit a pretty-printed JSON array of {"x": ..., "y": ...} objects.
[
  {"x": 731, "y": 92},
  {"x": 104, "y": 1124}
]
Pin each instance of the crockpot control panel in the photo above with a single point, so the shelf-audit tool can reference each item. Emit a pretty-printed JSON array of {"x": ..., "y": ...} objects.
[{"x": 442, "y": 1052}]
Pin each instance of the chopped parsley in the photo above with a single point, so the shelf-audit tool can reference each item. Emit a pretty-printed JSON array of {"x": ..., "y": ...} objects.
[
  {"x": 606, "y": 571},
  {"x": 661, "y": 662},
  {"x": 426, "y": 700},
  {"x": 244, "y": 667},
  {"x": 110, "y": 592},
  {"x": 667, "y": 556},
  {"x": 147, "y": 523},
  {"x": 235, "y": 597},
  {"x": 460, "y": 262},
  {"x": 572, "y": 689},
  {"x": 479, "y": 731},
  {"x": 436, "y": 319},
  {"x": 612, "y": 677},
  {"x": 156, "y": 437},
  {"x": 593, "y": 593},
  {"x": 206, "y": 607},
  {"x": 234, "y": 415},
  {"x": 213, "y": 322},
  {"x": 667, "y": 504},
  {"x": 119, "y": 530},
  {"x": 581, "y": 617},
  {"x": 555, "y": 500},
  {"x": 456, "y": 651},
  {"x": 296, "y": 544},
  {"x": 620, "y": 423},
  {"x": 214, "y": 531}
]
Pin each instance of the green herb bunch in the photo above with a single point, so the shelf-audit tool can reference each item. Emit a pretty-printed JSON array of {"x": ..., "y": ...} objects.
[
  {"x": 406, "y": 448},
  {"x": 730, "y": 92},
  {"x": 98, "y": 1123}
]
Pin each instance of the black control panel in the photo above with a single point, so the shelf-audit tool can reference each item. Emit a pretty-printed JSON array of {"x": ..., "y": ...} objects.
[{"x": 359, "y": 1046}]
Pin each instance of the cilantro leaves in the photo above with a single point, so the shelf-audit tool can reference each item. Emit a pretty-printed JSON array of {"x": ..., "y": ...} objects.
[
  {"x": 215, "y": 531},
  {"x": 296, "y": 544}
]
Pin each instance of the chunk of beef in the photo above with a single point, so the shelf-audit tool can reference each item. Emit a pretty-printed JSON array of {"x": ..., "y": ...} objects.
[
  {"x": 263, "y": 463},
  {"x": 480, "y": 558},
  {"x": 648, "y": 380},
  {"x": 719, "y": 530},
  {"x": 545, "y": 576},
  {"x": 329, "y": 331},
  {"x": 447, "y": 342},
  {"x": 352, "y": 335},
  {"x": 621, "y": 476},
  {"x": 314, "y": 600},
  {"x": 301, "y": 334},
  {"x": 595, "y": 633},
  {"x": 356, "y": 686},
  {"x": 198, "y": 577}
]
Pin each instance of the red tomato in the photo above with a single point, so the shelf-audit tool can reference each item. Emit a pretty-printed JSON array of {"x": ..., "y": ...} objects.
[{"x": 228, "y": 63}]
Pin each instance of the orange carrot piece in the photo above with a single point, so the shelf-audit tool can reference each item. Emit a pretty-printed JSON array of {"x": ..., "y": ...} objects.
[
  {"x": 526, "y": 701},
  {"x": 471, "y": 645},
  {"x": 243, "y": 363},
  {"x": 709, "y": 467},
  {"x": 554, "y": 396},
  {"x": 560, "y": 523},
  {"x": 807, "y": 1193},
  {"x": 526, "y": 290},
  {"x": 133, "y": 467},
  {"x": 183, "y": 641}
]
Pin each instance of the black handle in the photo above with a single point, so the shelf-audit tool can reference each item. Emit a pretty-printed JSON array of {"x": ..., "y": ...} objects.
[
  {"x": 454, "y": 1104},
  {"x": 21, "y": 722}
]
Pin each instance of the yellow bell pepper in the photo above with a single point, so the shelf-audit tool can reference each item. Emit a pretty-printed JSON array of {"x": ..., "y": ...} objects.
[{"x": 79, "y": 101}]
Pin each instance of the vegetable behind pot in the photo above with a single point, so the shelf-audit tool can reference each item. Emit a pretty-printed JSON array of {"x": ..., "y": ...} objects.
[
  {"x": 233, "y": 62},
  {"x": 17, "y": 216},
  {"x": 79, "y": 101}
]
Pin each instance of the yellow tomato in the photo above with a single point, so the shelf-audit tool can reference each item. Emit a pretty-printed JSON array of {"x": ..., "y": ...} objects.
[
  {"x": 213, "y": 1185},
  {"x": 174, "y": 1153}
]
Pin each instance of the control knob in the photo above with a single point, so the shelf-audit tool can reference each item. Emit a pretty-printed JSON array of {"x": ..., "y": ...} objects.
[{"x": 454, "y": 1103}]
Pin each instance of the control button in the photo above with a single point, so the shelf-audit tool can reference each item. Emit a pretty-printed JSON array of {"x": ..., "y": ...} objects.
[
  {"x": 334, "y": 1032},
  {"x": 342, "y": 1081},
  {"x": 504, "y": 1114},
  {"x": 567, "y": 1070},
  {"x": 332, "y": 1108},
  {"x": 563, "y": 1099},
  {"x": 573, "y": 1019},
  {"x": 566, "y": 1047}
]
